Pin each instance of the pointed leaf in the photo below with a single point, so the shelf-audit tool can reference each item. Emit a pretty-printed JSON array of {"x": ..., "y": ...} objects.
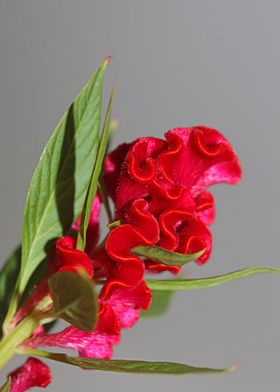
[
  {"x": 165, "y": 256},
  {"x": 142, "y": 367},
  {"x": 192, "y": 284},
  {"x": 59, "y": 183},
  {"x": 74, "y": 299},
  {"x": 127, "y": 366},
  {"x": 91, "y": 192}
]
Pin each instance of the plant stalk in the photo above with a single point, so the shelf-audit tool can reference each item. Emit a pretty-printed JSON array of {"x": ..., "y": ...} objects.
[
  {"x": 19, "y": 334},
  {"x": 11, "y": 310}
]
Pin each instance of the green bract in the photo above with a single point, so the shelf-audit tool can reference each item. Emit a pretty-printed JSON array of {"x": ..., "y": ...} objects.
[
  {"x": 74, "y": 299},
  {"x": 165, "y": 256}
]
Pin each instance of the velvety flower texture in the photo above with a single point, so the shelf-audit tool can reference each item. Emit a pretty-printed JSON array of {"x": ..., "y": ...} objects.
[
  {"x": 159, "y": 188},
  {"x": 33, "y": 373}
]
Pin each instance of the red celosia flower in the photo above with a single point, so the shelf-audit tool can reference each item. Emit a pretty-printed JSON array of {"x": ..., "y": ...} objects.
[
  {"x": 172, "y": 176},
  {"x": 190, "y": 158},
  {"x": 33, "y": 373}
]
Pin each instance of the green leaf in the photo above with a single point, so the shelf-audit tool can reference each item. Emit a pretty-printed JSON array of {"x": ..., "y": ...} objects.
[
  {"x": 127, "y": 366},
  {"x": 8, "y": 277},
  {"x": 91, "y": 192},
  {"x": 7, "y": 386},
  {"x": 165, "y": 256},
  {"x": 160, "y": 304},
  {"x": 192, "y": 284},
  {"x": 74, "y": 299},
  {"x": 141, "y": 367},
  {"x": 60, "y": 181}
]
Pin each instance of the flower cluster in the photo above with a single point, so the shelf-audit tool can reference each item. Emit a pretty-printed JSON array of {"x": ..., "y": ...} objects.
[
  {"x": 159, "y": 186},
  {"x": 159, "y": 189}
]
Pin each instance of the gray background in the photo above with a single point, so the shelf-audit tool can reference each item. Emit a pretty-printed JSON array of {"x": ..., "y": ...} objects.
[{"x": 176, "y": 63}]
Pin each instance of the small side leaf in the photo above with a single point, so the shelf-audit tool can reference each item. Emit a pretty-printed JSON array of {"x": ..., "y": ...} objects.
[
  {"x": 74, "y": 299},
  {"x": 160, "y": 304},
  {"x": 127, "y": 366},
  {"x": 192, "y": 284},
  {"x": 165, "y": 256},
  {"x": 91, "y": 192}
]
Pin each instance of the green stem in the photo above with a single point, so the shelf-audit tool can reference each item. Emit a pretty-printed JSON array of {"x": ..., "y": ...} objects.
[
  {"x": 11, "y": 310},
  {"x": 21, "y": 332},
  {"x": 60, "y": 357}
]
